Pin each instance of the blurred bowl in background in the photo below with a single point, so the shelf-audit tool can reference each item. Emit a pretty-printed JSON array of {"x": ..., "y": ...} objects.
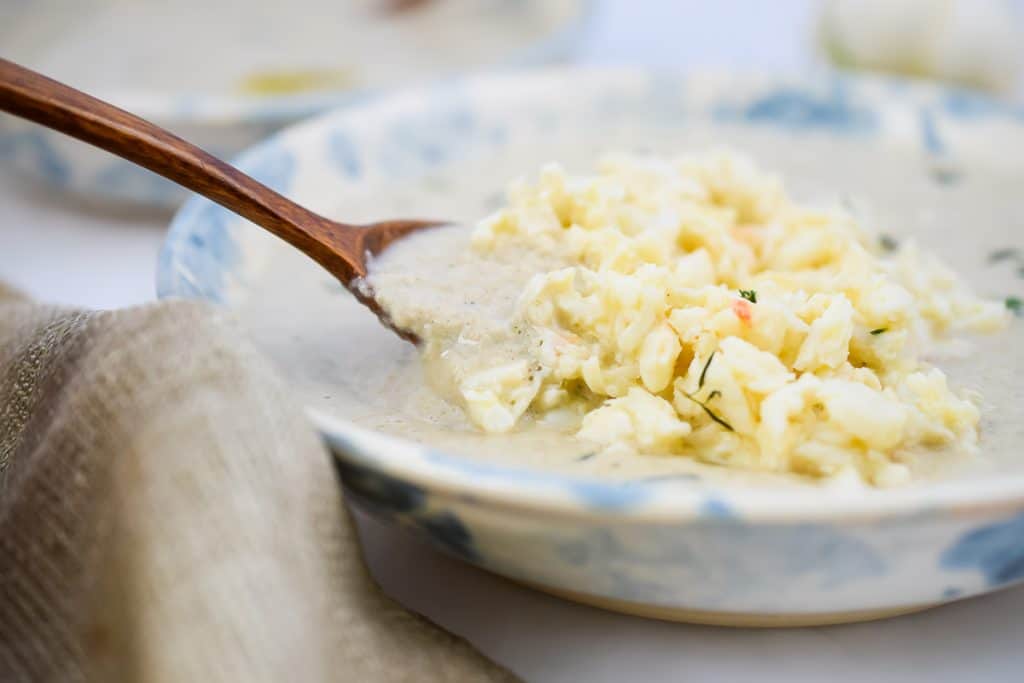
[
  {"x": 972, "y": 43},
  {"x": 225, "y": 75}
]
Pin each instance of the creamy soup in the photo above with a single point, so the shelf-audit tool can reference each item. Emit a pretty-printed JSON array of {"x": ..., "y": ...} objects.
[{"x": 343, "y": 362}]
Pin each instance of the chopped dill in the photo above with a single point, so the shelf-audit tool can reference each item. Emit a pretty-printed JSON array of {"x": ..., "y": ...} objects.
[
  {"x": 945, "y": 176},
  {"x": 716, "y": 418},
  {"x": 1003, "y": 255},
  {"x": 710, "y": 413},
  {"x": 879, "y": 330},
  {"x": 700, "y": 382},
  {"x": 888, "y": 242},
  {"x": 749, "y": 294}
]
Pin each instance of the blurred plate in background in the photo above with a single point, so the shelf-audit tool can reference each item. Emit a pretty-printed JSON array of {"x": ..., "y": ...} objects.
[{"x": 226, "y": 74}]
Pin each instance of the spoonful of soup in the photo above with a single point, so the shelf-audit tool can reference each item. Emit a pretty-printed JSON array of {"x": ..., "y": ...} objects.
[{"x": 342, "y": 249}]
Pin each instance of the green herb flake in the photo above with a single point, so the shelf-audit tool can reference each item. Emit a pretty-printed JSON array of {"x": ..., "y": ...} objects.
[
  {"x": 749, "y": 294},
  {"x": 1000, "y": 255},
  {"x": 710, "y": 413},
  {"x": 700, "y": 382},
  {"x": 879, "y": 330},
  {"x": 716, "y": 418},
  {"x": 888, "y": 242},
  {"x": 1015, "y": 304},
  {"x": 945, "y": 176}
]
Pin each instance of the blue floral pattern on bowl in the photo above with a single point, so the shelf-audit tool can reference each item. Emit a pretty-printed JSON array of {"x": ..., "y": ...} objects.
[
  {"x": 802, "y": 109},
  {"x": 996, "y": 550}
]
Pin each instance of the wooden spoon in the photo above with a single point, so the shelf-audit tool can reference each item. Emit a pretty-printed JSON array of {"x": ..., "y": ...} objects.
[{"x": 341, "y": 248}]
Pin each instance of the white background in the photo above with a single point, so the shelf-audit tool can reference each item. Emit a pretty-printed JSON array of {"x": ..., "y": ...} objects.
[{"x": 77, "y": 252}]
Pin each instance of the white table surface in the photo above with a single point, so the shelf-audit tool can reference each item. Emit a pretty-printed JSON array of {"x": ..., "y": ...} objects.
[{"x": 80, "y": 253}]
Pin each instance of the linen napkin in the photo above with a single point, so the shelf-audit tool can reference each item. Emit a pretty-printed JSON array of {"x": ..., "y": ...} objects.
[{"x": 166, "y": 514}]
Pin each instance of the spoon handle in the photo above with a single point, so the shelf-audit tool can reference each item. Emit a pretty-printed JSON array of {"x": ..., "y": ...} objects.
[{"x": 37, "y": 98}]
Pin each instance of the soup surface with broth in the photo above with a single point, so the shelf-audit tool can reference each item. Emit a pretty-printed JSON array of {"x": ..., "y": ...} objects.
[{"x": 344, "y": 363}]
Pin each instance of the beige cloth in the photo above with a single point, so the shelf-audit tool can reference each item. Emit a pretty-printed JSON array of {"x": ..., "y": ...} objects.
[{"x": 166, "y": 514}]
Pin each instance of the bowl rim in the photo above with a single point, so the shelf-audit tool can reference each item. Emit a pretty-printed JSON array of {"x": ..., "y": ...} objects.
[
  {"x": 191, "y": 108},
  {"x": 552, "y": 494},
  {"x": 544, "y": 492}
]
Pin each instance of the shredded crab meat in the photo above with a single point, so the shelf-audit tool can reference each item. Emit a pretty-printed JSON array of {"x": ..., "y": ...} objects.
[{"x": 699, "y": 311}]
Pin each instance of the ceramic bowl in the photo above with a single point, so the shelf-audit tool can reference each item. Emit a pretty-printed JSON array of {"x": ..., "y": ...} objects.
[
  {"x": 677, "y": 547},
  {"x": 227, "y": 75}
]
